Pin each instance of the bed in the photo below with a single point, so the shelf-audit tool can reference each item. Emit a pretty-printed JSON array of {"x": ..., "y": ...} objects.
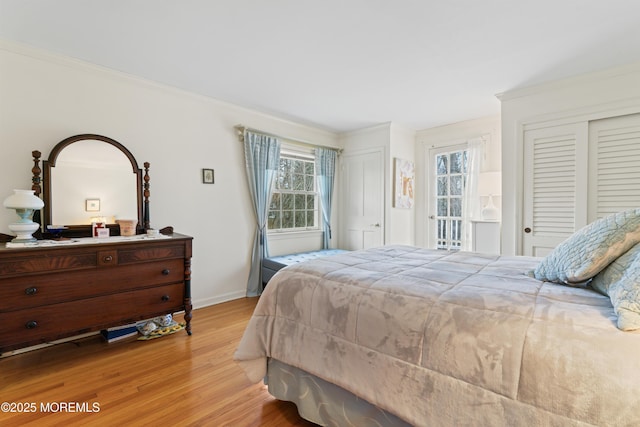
[{"x": 401, "y": 335}]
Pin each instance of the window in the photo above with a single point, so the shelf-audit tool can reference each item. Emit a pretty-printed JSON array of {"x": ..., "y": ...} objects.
[
  {"x": 451, "y": 170},
  {"x": 294, "y": 203}
]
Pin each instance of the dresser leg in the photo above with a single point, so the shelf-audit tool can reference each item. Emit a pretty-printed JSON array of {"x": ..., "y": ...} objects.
[
  {"x": 187, "y": 315},
  {"x": 187, "y": 294}
]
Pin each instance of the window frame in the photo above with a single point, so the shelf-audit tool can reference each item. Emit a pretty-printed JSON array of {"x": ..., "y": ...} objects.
[{"x": 295, "y": 154}]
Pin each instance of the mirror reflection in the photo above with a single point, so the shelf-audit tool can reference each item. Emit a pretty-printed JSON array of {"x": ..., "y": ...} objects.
[{"x": 92, "y": 180}]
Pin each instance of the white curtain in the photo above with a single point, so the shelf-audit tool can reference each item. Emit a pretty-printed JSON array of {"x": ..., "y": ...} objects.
[{"x": 471, "y": 206}]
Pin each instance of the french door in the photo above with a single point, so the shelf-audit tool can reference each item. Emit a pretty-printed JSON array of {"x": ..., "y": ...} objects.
[{"x": 448, "y": 172}]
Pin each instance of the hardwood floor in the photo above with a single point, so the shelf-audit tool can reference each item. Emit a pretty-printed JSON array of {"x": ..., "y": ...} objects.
[{"x": 173, "y": 380}]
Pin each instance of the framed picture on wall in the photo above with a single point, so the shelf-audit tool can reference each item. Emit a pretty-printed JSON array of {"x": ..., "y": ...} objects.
[
  {"x": 92, "y": 205},
  {"x": 403, "y": 184},
  {"x": 207, "y": 176}
]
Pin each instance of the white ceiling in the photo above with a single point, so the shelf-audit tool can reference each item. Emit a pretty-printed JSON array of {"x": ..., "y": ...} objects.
[{"x": 339, "y": 64}]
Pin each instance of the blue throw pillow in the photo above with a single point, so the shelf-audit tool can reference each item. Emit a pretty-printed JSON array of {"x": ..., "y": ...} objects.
[
  {"x": 590, "y": 249},
  {"x": 621, "y": 282}
]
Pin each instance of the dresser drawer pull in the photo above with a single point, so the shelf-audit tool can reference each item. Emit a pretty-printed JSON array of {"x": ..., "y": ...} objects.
[
  {"x": 31, "y": 291},
  {"x": 165, "y": 298},
  {"x": 165, "y": 272},
  {"x": 108, "y": 258},
  {"x": 31, "y": 324}
]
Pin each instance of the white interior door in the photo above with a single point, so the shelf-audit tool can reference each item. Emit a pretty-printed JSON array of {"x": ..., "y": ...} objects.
[{"x": 363, "y": 200}]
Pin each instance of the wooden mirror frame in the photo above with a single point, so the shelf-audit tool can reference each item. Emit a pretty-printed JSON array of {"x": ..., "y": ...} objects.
[{"x": 76, "y": 230}]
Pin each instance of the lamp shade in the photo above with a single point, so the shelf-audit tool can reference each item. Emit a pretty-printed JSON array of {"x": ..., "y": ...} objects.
[
  {"x": 25, "y": 202},
  {"x": 23, "y": 199},
  {"x": 490, "y": 183}
]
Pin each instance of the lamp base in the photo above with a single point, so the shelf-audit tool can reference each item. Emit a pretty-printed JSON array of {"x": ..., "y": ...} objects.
[
  {"x": 24, "y": 231},
  {"x": 490, "y": 212}
]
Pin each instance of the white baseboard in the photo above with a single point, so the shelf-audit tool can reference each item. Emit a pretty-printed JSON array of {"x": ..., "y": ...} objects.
[{"x": 200, "y": 303}]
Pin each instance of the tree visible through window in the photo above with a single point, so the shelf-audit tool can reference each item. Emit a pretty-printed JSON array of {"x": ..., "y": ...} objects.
[
  {"x": 294, "y": 204},
  {"x": 451, "y": 171}
]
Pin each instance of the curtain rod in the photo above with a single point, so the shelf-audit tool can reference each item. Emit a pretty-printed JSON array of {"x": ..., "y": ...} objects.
[{"x": 241, "y": 129}]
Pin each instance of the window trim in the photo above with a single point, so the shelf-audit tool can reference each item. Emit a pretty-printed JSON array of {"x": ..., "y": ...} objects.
[{"x": 308, "y": 155}]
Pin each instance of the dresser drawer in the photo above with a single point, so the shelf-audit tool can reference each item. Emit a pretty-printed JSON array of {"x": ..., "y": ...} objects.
[
  {"x": 45, "y": 323},
  {"x": 42, "y": 262},
  {"x": 31, "y": 291},
  {"x": 134, "y": 255}
]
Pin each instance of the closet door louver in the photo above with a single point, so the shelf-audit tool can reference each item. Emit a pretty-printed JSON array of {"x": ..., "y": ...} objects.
[
  {"x": 614, "y": 165},
  {"x": 554, "y": 185}
]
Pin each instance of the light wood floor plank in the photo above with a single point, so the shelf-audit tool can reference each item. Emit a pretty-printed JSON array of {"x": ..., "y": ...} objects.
[{"x": 173, "y": 380}]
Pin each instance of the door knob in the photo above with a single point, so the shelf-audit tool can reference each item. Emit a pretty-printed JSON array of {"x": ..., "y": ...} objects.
[
  {"x": 376, "y": 224},
  {"x": 527, "y": 230}
]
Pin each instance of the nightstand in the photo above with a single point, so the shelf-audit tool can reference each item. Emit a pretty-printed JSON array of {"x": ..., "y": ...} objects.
[{"x": 486, "y": 237}]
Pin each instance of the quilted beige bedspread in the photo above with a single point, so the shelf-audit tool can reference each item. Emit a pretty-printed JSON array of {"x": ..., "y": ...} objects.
[{"x": 450, "y": 339}]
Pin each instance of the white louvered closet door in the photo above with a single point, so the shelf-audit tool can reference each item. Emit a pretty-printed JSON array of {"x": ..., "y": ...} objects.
[
  {"x": 614, "y": 165},
  {"x": 555, "y": 186},
  {"x": 575, "y": 174}
]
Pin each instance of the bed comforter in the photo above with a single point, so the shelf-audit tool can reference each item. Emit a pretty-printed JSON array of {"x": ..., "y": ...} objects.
[{"x": 443, "y": 339}]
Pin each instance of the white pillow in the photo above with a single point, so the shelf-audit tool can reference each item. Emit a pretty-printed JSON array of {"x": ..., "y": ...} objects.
[{"x": 590, "y": 249}]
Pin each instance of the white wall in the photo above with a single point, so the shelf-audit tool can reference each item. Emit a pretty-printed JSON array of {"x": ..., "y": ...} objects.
[
  {"x": 587, "y": 97},
  {"x": 45, "y": 98},
  {"x": 402, "y": 146},
  {"x": 456, "y": 133}
]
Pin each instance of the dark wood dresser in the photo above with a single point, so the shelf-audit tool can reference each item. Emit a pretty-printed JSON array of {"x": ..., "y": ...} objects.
[{"x": 52, "y": 292}]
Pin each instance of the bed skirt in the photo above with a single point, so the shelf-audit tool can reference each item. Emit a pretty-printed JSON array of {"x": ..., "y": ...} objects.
[{"x": 324, "y": 403}]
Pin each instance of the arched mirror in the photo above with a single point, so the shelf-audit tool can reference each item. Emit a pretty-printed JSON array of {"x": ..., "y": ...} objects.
[{"x": 91, "y": 178}]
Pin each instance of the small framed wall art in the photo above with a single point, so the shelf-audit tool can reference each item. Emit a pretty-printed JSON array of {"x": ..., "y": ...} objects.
[
  {"x": 403, "y": 184},
  {"x": 207, "y": 176},
  {"x": 92, "y": 205}
]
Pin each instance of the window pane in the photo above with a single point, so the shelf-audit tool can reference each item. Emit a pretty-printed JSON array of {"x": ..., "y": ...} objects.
[
  {"x": 456, "y": 185},
  {"x": 311, "y": 201},
  {"x": 275, "y": 201},
  {"x": 287, "y": 201},
  {"x": 441, "y": 164},
  {"x": 287, "y": 219},
  {"x": 456, "y": 162},
  {"x": 443, "y": 206},
  {"x": 308, "y": 183},
  {"x": 309, "y": 168},
  {"x": 301, "y": 219},
  {"x": 443, "y": 182},
  {"x": 298, "y": 166},
  {"x": 285, "y": 172},
  {"x": 311, "y": 218},
  {"x": 299, "y": 201},
  {"x": 274, "y": 220},
  {"x": 456, "y": 207},
  {"x": 456, "y": 230},
  {"x": 298, "y": 182}
]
